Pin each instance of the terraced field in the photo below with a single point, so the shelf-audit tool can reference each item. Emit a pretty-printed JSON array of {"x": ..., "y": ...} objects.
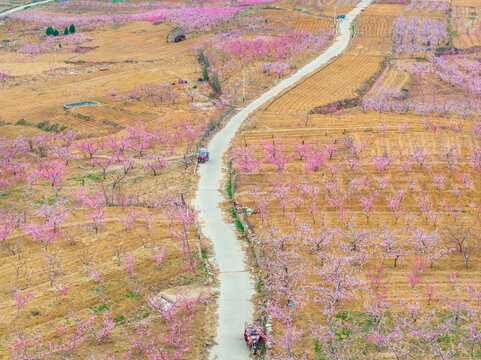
[
  {"x": 85, "y": 85},
  {"x": 361, "y": 60},
  {"x": 327, "y": 86}
]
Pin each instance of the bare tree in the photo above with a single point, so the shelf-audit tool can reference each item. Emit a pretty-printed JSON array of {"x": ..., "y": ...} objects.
[
  {"x": 305, "y": 118},
  {"x": 464, "y": 239}
]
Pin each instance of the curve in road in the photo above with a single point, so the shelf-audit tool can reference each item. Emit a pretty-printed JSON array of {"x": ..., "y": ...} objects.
[{"x": 236, "y": 284}]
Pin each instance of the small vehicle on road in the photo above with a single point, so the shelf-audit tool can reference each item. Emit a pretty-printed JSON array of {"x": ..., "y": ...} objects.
[
  {"x": 252, "y": 336},
  {"x": 203, "y": 156},
  {"x": 340, "y": 16}
]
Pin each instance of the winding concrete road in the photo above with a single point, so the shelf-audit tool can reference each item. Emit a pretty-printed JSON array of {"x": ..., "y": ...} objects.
[
  {"x": 21, "y": 7},
  {"x": 236, "y": 284}
]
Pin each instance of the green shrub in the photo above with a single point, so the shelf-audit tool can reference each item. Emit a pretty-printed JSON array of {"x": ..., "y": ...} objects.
[
  {"x": 204, "y": 61},
  {"x": 49, "y": 31},
  {"x": 216, "y": 84},
  {"x": 55, "y": 32},
  {"x": 65, "y": 31},
  {"x": 240, "y": 226},
  {"x": 71, "y": 29},
  {"x": 42, "y": 125},
  {"x": 205, "y": 73},
  {"x": 203, "y": 58},
  {"x": 260, "y": 285}
]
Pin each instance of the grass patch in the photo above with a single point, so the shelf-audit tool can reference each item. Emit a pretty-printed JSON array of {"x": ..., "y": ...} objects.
[
  {"x": 82, "y": 178},
  {"x": 132, "y": 295},
  {"x": 99, "y": 308},
  {"x": 136, "y": 180},
  {"x": 449, "y": 28},
  {"x": 9, "y": 193},
  {"x": 238, "y": 223},
  {"x": 76, "y": 178},
  {"x": 93, "y": 177},
  {"x": 229, "y": 182},
  {"x": 46, "y": 126},
  {"x": 10, "y": 8},
  {"x": 120, "y": 319},
  {"x": 49, "y": 201},
  {"x": 260, "y": 286}
]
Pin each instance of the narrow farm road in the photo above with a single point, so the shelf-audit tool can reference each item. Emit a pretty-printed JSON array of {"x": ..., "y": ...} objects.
[
  {"x": 21, "y": 7},
  {"x": 236, "y": 284}
]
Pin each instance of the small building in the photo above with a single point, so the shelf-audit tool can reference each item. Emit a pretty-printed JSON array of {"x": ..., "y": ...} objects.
[{"x": 176, "y": 35}]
